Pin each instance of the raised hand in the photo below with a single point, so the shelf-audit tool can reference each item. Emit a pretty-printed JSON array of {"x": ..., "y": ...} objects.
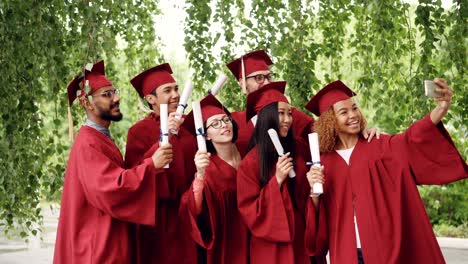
[
  {"x": 443, "y": 100},
  {"x": 202, "y": 160},
  {"x": 162, "y": 156},
  {"x": 173, "y": 124},
  {"x": 283, "y": 166},
  {"x": 315, "y": 175}
]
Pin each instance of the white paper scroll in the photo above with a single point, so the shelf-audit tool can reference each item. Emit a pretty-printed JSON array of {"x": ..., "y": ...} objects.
[
  {"x": 279, "y": 148},
  {"x": 89, "y": 66},
  {"x": 184, "y": 98},
  {"x": 254, "y": 120},
  {"x": 164, "y": 137},
  {"x": 183, "y": 103},
  {"x": 218, "y": 84},
  {"x": 315, "y": 153},
  {"x": 200, "y": 132}
]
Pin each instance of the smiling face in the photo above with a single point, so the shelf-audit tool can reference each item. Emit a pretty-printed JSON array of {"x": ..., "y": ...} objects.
[
  {"x": 165, "y": 94},
  {"x": 219, "y": 129},
  {"x": 348, "y": 117},
  {"x": 284, "y": 118},
  {"x": 251, "y": 83},
  {"x": 105, "y": 104}
]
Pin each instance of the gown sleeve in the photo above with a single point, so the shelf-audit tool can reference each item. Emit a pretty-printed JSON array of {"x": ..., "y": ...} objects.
[
  {"x": 135, "y": 149},
  {"x": 176, "y": 179},
  {"x": 267, "y": 211},
  {"x": 127, "y": 195},
  {"x": 202, "y": 225},
  {"x": 316, "y": 233},
  {"x": 430, "y": 152}
]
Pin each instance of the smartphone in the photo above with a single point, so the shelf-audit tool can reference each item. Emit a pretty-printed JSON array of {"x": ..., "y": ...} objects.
[{"x": 429, "y": 88}]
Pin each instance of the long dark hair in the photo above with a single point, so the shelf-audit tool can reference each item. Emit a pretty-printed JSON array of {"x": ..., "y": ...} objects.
[
  {"x": 209, "y": 145},
  {"x": 267, "y": 155}
]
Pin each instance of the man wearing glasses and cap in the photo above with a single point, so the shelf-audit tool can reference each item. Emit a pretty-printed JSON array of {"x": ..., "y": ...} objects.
[
  {"x": 252, "y": 70},
  {"x": 100, "y": 198}
]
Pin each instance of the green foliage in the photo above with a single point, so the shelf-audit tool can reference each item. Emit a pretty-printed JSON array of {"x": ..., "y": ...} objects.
[
  {"x": 448, "y": 201},
  {"x": 43, "y": 45},
  {"x": 384, "y": 50},
  {"x": 444, "y": 230}
]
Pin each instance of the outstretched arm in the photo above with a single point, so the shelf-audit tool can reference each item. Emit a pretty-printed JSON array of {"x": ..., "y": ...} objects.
[{"x": 443, "y": 101}]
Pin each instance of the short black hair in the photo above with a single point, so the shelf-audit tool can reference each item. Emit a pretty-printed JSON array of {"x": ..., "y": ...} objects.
[{"x": 153, "y": 93}]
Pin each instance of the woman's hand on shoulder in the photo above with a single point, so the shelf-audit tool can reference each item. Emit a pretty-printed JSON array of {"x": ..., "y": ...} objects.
[{"x": 369, "y": 133}]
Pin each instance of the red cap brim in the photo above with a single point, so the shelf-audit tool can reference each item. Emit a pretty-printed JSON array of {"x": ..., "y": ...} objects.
[
  {"x": 329, "y": 95},
  {"x": 270, "y": 93}
]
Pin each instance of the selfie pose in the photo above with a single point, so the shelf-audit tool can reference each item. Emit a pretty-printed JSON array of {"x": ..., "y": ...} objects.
[{"x": 370, "y": 210}]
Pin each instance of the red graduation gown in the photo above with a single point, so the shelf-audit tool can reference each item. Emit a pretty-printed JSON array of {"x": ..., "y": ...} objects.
[
  {"x": 276, "y": 224},
  {"x": 380, "y": 184},
  {"x": 99, "y": 200},
  {"x": 302, "y": 126},
  {"x": 219, "y": 228},
  {"x": 168, "y": 242}
]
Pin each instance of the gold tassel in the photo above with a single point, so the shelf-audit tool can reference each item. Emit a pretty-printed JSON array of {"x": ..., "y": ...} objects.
[
  {"x": 143, "y": 107},
  {"x": 71, "y": 132},
  {"x": 244, "y": 84}
]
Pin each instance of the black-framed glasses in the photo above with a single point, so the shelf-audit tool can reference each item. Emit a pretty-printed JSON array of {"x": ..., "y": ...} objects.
[
  {"x": 216, "y": 124},
  {"x": 260, "y": 78},
  {"x": 108, "y": 94}
]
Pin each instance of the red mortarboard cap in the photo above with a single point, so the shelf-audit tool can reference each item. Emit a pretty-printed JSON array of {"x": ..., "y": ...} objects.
[
  {"x": 96, "y": 77},
  {"x": 270, "y": 93},
  {"x": 254, "y": 61},
  {"x": 334, "y": 92},
  {"x": 210, "y": 106},
  {"x": 152, "y": 78}
]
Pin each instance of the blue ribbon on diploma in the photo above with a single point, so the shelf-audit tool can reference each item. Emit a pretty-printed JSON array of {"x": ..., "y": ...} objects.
[
  {"x": 200, "y": 132},
  {"x": 183, "y": 105},
  {"x": 161, "y": 134},
  {"x": 313, "y": 163}
]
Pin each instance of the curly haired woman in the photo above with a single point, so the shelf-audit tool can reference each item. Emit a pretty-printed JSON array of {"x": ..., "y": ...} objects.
[{"x": 370, "y": 210}]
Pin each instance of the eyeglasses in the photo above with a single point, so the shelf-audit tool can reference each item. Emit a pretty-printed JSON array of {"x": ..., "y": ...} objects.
[
  {"x": 260, "y": 78},
  {"x": 109, "y": 94},
  {"x": 219, "y": 122}
]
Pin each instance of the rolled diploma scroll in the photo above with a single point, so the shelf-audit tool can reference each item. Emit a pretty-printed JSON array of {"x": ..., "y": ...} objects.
[
  {"x": 218, "y": 84},
  {"x": 164, "y": 138},
  {"x": 279, "y": 148},
  {"x": 183, "y": 102},
  {"x": 200, "y": 132},
  {"x": 89, "y": 66},
  {"x": 315, "y": 154}
]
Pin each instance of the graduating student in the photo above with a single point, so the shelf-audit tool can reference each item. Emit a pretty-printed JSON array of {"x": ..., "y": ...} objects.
[
  {"x": 100, "y": 198},
  {"x": 168, "y": 242},
  {"x": 371, "y": 211},
  {"x": 211, "y": 204},
  {"x": 252, "y": 70},
  {"x": 271, "y": 203}
]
